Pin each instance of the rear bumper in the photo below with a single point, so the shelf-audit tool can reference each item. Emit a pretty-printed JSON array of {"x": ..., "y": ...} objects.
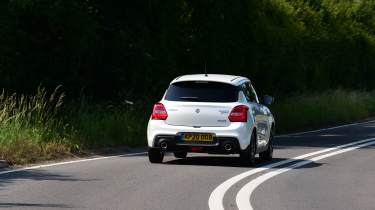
[
  {"x": 218, "y": 146},
  {"x": 237, "y": 133}
]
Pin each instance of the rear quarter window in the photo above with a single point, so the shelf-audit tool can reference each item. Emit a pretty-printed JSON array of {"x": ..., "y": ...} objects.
[{"x": 201, "y": 91}]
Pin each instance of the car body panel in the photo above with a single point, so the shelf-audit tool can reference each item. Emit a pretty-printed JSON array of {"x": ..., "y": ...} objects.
[{"x": 198, "y": 113}]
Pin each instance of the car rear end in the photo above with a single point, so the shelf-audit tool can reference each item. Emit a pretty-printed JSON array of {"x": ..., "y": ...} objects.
[{"x": 200, "y": 116}]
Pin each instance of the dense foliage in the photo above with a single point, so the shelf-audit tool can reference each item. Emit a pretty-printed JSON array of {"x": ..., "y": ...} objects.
[{"x": 127, "y": 49}]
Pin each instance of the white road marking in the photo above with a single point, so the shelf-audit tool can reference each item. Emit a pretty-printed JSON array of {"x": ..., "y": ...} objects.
[
  {"x": 244, "y": 195},
  {"x": 68, "y": 162},
  {"x": 215, "y": 201},
  {"x": 325, "y": 129}
]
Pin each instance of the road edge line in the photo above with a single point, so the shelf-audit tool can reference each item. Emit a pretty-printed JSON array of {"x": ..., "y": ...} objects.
[{"x": 69, "y": 162}]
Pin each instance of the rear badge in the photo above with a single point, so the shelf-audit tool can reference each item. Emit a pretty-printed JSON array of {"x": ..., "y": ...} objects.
[
  {"x": 197, "y": 111},
  {"x": 221, "y": 121},
  {"x": 224, "y": 111}
]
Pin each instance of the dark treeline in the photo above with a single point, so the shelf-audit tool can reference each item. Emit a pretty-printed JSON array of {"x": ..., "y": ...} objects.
[{"x": 131, "y": 49}]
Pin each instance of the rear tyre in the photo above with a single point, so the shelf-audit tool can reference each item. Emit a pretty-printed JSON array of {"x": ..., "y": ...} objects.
[
  {"x": 180, "y": 154},
  {"x": 155, "y": 155},
  {"x": 268, "y": 154},
  {"x": 247, "y": 156}
]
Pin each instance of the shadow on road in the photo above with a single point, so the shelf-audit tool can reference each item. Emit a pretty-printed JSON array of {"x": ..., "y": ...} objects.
[
  {"x": 36, "y": 175},
  {"x": 232, "y": 162},
  {"x": 33, "y": 205}
]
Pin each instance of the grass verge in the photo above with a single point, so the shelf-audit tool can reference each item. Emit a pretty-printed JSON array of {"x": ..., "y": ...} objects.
[{"x": 40, "y": 127}]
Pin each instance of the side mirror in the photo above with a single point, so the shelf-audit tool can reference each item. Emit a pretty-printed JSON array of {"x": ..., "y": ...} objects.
[{"x": 268, "y": 100}]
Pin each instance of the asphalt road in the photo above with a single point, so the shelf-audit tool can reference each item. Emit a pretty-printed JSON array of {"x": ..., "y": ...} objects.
[{"x": 341, "y": 180}]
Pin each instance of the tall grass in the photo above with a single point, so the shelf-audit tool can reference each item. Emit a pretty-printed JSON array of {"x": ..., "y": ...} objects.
[
  {"x": 38, "y": 127},
  {"x": 29, "y": 127}
]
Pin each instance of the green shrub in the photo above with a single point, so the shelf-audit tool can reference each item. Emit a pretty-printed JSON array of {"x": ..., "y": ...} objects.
[
  {"x": 308, "y": 111},
  {"x": 108, "y": 126}
]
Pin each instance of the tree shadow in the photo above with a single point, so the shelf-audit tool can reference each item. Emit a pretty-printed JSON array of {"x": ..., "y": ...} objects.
[
  {"x": 37, "y": 175},
  {"x": 33, "y": 205},
  {"x": 232, "y": 161},
  {"x": 34, "y": 175}
]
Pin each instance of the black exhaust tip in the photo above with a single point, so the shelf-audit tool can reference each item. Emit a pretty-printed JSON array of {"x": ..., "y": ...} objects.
[
  {"x": 163, "y": 145},
  {"x": 228, "y": 147}
]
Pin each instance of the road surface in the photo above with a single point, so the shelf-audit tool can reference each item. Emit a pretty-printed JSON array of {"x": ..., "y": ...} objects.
[{"x": 328, "y": 176}]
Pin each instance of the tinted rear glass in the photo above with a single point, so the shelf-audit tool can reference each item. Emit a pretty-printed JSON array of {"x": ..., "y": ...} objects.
[{"x": 202, "y": 92}]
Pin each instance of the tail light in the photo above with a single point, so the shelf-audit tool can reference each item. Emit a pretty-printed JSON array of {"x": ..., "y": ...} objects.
[
  {"x": 238, "y": 114},
  {"x": 159, "y": 112}
]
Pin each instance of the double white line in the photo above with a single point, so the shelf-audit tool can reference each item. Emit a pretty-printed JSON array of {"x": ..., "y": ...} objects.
[{"x": 215, "y": 201}]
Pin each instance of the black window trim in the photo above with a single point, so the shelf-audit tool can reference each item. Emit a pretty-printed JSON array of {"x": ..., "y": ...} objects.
[
  {"x": 243, "y": 85},
  {"x": 237, "y": 88}
]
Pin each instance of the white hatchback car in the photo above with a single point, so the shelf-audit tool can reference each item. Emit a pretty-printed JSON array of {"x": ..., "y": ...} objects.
[{"x": 211, "y": 113}]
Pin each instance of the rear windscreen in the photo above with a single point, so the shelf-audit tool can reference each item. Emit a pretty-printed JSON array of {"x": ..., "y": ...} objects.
[{"x": 202, "y": 92}]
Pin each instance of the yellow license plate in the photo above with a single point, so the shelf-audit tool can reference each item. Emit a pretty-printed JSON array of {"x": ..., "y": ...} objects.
[{"x": 198, "y": 137}]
